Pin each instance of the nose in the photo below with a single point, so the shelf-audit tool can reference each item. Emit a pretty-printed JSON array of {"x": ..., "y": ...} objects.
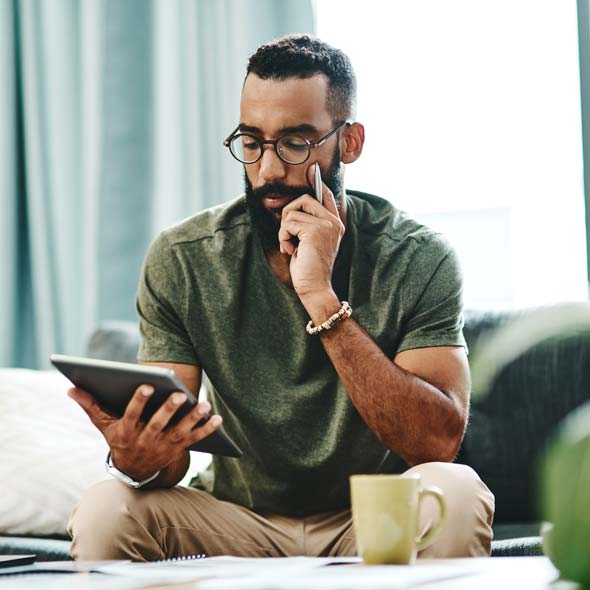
[{"x": 272, "y": 168}]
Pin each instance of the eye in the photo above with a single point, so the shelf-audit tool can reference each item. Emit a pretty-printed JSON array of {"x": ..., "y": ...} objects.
[
  {"x": 249, "y": 143},
  {"x": 293, "y": 143}
]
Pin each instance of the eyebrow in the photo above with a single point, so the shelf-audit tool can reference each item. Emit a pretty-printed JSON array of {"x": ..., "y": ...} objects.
[{"x": 303, "y": 128}]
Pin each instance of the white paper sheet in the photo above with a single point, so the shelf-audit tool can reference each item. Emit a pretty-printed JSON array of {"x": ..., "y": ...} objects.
[
  {"x": 289, "y": 573},
  {"x": 340, "y": 577}
]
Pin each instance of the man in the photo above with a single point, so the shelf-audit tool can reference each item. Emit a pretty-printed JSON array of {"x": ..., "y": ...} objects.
[{"x": 231, "y": 292}]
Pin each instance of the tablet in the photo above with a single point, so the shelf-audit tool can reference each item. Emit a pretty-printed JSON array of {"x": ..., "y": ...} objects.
[
  {"x": 112, "y": 384},
  {"x": 16, "y": 560}
]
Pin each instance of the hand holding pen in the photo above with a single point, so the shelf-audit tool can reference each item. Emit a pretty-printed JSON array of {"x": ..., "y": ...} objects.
[{"x": 316, "y": 224}]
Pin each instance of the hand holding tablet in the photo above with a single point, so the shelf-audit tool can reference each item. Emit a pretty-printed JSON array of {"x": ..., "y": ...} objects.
[{"x": 144, "y": 411}]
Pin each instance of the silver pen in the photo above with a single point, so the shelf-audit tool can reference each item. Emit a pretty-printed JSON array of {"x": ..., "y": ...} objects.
[{"x": 318, "y": 184}]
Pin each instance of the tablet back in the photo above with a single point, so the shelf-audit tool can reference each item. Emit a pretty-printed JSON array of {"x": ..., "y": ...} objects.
[{"x": 113, "y": 384}]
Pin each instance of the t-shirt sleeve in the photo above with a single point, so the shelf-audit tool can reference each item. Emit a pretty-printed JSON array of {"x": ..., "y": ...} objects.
[
  {"x": 432, "y": 296},
  {"x": 160, "y": 305}
]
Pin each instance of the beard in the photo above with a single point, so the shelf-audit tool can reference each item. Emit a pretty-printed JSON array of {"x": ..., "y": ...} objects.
[{"x": 267, "y": 223}]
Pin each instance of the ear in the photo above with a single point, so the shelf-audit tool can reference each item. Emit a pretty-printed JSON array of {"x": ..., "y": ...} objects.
[{"x": 352, "y": 140}]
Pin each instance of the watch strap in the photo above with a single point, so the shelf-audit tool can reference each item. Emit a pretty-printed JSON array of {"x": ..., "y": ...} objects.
[{"x": 132, "y": 483}]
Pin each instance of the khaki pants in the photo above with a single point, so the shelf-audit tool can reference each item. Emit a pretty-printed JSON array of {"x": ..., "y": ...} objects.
[{"x": 113, "y": 521}]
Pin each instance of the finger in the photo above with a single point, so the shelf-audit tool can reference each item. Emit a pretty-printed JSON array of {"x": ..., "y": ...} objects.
[
  {"x": 301, "y": 229},
  {"x": 288, "y": 230},
  {"x": 136, "y": 405},
  {"x": 203, "y": 431},
  {"x": 304, "y": 226},
  {"x": 192, "y": 418},
  {"x": 286, "y": 244},
  {"x": 307, "y": 204},
  {"x": 287, "y": 248},
  {"x": 97, "y": 415},
  {"x": 299, "y": 216},
  {"x": 161, "y": 418}
]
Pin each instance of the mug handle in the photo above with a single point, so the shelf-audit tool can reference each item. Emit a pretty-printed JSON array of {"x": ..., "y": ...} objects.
[{"x": 432, "y": 534}]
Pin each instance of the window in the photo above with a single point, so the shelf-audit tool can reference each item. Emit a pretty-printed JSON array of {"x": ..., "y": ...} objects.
[{"x": 472, "y": 117}]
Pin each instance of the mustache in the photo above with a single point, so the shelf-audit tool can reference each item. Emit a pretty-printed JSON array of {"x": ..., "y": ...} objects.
[{"x": 279, "y": 189}]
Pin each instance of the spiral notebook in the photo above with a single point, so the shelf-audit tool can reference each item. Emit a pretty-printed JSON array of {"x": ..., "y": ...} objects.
[
  {"x": 196, "y": 568},
  {"x": 11, "y": 565}
]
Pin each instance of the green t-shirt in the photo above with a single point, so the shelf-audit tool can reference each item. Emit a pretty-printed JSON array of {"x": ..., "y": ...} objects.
[{"x": 207, "y": 296}]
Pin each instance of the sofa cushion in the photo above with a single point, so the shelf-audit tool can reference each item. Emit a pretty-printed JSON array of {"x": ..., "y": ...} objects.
[
  {"x": 49, "y": 453},
  {"x": 519, "y": 547},
  {"x": 115, "y": 341},
  {"x": 509, "y": 427},
  {"x": 44, "y": 549}
]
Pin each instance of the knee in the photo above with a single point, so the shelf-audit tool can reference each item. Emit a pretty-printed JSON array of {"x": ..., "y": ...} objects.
[
  {"x": 469, "y": 488},
  {"x": 106, "y": 515},
  {"x": 470, "y": 510},
  {"x": 461, "y": 485}
]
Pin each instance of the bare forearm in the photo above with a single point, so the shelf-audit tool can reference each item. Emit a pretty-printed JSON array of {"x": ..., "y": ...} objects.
[{"x": 410, "y": 416}]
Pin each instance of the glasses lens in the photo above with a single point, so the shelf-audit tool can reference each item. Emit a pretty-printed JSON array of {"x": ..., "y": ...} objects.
[
  {"x": 245, "y": 148},
  {"x": 293, "y": 149}
]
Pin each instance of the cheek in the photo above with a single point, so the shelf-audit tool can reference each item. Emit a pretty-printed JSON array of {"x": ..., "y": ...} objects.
[
  {"x": 296, "y": 176},
  {"x": 251, "y": 174},
  {"x": 327, "y": 161}
]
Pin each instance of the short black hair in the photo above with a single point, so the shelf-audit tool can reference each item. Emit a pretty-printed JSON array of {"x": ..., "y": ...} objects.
[{"x": 304, "y": 56}]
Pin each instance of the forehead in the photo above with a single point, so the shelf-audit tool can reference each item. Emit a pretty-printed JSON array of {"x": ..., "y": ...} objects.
[{"x": 272, "y": 105}]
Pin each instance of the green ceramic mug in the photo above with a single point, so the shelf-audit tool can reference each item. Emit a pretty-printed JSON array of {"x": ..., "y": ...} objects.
[{"x": 385, "y": 514}]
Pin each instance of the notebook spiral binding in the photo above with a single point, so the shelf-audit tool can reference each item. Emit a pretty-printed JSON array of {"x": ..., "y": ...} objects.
[{"x": 182, "y": 558}]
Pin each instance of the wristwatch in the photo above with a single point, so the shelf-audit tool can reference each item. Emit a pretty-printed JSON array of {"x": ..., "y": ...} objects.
[{"x": 132, "y": 483}]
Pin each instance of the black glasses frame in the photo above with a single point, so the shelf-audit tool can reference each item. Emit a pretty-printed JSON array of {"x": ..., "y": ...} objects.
[{"x": 274, "y": 142}]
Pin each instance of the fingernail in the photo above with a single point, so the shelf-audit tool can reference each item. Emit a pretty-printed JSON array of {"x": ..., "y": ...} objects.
[
  {"x": 147, "y": 390},
  {"x": 215, "y": 421},
  {"x": 202, "y": 409},
  {"x": 178, "y": 398}
]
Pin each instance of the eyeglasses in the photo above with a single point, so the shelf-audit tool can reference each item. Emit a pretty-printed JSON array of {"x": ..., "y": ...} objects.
[{"x": 291, "y": 148}]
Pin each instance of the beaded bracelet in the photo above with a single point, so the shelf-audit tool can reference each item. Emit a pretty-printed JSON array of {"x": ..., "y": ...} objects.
[{"x": 344, "y": 312}]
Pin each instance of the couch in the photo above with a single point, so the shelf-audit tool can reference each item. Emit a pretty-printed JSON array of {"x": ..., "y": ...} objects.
[{"x": 508, "y": 427}]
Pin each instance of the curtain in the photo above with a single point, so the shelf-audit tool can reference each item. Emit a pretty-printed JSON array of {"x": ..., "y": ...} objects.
[
  {"x": 112, "y": 118},
  {"x": 584, "y": 45}
]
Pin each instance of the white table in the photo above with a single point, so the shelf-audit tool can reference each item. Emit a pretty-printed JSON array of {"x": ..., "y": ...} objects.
[{"x": 498, "y": 573}]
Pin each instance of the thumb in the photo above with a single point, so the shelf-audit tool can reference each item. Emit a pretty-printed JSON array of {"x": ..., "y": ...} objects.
[
  {"x": 330, "y": 201},
  {"x": 97, "y": 415}
]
